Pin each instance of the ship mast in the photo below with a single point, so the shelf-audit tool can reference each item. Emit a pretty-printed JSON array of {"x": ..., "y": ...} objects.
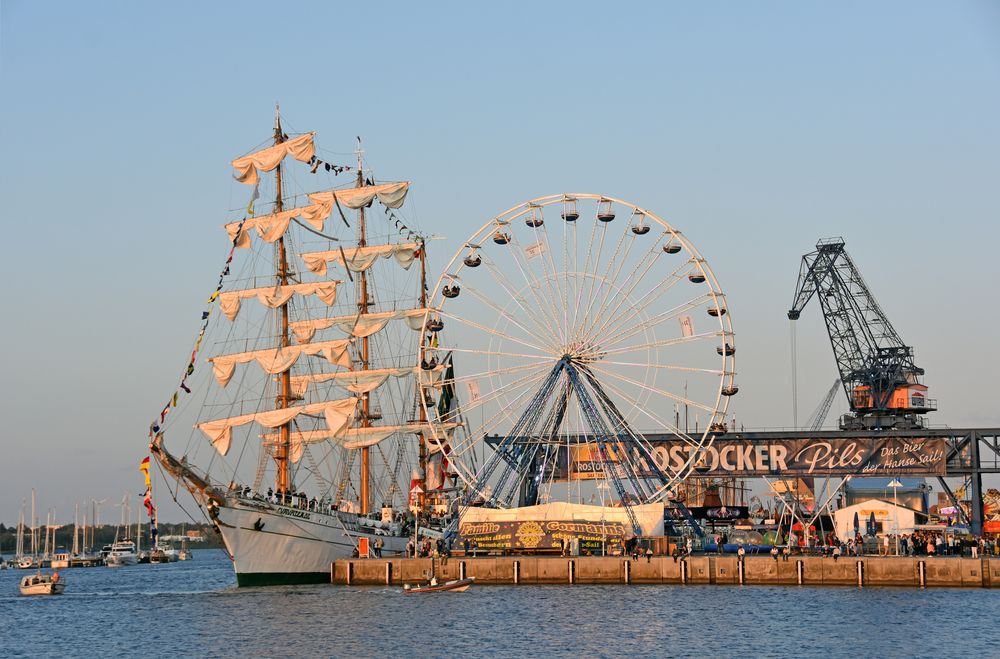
[
  {"x": 422, "y": 447},
  {"x": 363, "y": 309},
  {"x": 285, "y": 391}
]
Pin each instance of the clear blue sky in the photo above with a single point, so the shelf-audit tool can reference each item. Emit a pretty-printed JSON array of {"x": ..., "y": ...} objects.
[{"x": 755, "y": 128}]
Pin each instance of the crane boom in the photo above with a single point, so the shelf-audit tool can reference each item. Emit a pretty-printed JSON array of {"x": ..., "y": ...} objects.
[
  {"x": 818, "y": 417},
  {"x": 876, "y": 368}
]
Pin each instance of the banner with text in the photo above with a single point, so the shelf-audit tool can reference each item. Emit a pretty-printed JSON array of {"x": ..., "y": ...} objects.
[
  {"x": 796, "y": 457},
  {"x": 541, "y": 534}
]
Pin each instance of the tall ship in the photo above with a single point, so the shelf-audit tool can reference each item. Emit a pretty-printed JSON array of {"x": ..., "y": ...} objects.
[{"x": 300, "y": 423}]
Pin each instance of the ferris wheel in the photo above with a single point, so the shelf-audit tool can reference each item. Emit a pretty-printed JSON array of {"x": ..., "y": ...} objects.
[{"x": 581, "y": 329}]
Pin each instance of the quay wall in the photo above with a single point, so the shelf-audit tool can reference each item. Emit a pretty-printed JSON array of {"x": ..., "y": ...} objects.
[{"x": 854, "y": 571}]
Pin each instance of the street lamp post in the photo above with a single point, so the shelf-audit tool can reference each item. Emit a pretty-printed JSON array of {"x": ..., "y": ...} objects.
[{"x": 895, "y": 510}]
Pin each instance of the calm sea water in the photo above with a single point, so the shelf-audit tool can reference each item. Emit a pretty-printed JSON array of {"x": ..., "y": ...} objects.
[{"x": 194, "y": 609}]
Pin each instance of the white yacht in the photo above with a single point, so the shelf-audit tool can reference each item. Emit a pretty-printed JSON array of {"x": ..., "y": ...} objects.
[{"x": 122, "y": 553}]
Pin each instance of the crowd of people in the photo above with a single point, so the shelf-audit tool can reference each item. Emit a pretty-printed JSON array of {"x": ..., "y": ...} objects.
[
  {"x": 299, "y": 500},
  {"x": 918, "y": 543},
  {"x": 426, "y": 548}
]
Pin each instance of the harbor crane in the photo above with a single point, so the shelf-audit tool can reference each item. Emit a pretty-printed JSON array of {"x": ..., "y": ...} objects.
[{"x": 877, "y": 370}]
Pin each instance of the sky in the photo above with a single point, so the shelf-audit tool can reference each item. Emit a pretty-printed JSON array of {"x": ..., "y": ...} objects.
[{"x": 755, "y": 128}]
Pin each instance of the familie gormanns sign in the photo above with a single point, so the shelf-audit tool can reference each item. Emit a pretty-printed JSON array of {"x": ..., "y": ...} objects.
[{"x": 820, "y": 457}]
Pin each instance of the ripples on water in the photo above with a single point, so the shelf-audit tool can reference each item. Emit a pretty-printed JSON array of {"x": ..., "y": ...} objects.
[{"x": 194, "y": 609}]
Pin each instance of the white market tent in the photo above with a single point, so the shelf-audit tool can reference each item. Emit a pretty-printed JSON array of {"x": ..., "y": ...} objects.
[{"x": 890, "y": 518}]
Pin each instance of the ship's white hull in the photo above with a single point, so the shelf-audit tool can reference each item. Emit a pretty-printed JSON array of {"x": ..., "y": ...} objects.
[{"x": 273, "y": 544}]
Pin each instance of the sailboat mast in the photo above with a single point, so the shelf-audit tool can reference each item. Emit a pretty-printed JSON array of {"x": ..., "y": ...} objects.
[
  {"x": 19, "y": 551},
  {"x": 285, "y": 394},
  {"x": 34, "y": 525},
  {"x": 363, "y": 309},
  {"x": 48, "y": 531}
]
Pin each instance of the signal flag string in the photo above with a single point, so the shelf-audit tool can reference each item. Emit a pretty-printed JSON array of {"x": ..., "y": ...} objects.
[{"x": 154, "y": 427}]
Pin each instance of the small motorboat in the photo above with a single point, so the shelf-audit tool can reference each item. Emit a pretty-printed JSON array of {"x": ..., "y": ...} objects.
[
  {"x": 42, "y": 584},
  {"x": 456, "y": 585}
]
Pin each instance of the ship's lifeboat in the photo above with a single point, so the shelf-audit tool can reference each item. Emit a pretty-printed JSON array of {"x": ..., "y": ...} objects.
[
  {"x": 697, "y": 278},
  {"x": 501, "y": 238},
  {"x": 671, "y": 248},
  {"x": 450, "y": 291},
  {"x": 472, "y": 260}
]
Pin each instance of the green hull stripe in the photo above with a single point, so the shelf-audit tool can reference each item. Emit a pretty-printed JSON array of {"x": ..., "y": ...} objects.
[{"x": 280, "y": 578}]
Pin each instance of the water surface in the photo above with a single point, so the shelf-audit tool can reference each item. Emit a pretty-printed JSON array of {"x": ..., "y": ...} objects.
[{"x": 194, "y": 608}]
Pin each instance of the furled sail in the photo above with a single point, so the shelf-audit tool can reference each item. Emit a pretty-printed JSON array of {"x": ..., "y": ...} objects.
[
  {"x": 390, "y": 195},
  {"x": 356, "y": 438},
  {"x": 265, "y": 160},
  {"x": 338, "y": 414},
  {"x": 359, "y": 259},
  {"x": 279, "y": 360},
  {"x": 273, "y": 226},
  {"x": 362, "y": 382},
  {"x": 275, "y": 296},
  {"x": 358, "y": 325}
]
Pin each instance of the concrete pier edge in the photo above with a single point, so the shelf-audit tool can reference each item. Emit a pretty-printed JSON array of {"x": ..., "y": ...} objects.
[{"x": 864, "y": 571}]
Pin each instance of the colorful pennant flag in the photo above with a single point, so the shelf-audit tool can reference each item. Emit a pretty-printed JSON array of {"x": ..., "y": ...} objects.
[
  {"x": 148, "y": 502},
  {"x": 144, "y": 468}
]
